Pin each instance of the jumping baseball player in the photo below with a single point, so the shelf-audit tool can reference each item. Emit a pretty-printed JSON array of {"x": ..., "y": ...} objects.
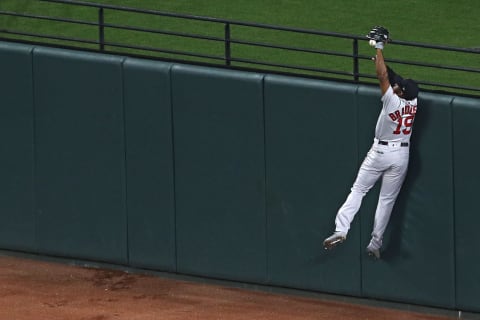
[{"x": 388, "y": 157}]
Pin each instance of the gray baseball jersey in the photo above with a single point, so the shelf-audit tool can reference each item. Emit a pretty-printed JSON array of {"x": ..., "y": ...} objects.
[{"x": 395, "y": 121}]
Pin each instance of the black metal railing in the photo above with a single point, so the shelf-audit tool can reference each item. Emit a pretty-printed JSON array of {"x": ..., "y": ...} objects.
[{"x": 461, "y": 79}]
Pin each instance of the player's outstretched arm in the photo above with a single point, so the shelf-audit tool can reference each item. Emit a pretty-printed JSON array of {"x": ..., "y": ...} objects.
[
  {"x": 382, "y": 73},
  {"x": 378, "y": 38}
]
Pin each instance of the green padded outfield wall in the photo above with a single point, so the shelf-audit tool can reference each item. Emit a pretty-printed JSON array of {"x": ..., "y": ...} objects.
[
  {"x": 418, "y": 263},
  {"x": 149, "y": 159},
  {"x": 466, "y": 158},
  {"x": 17, "y": 223},
  {"x": 232, "y": 175},
  {"x": 80, "y": 155},
  {"x": 219, "y": 173},
  {"x": 310, "y": 163}
]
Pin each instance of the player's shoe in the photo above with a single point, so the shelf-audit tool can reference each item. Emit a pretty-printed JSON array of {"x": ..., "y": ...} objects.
[
  {"x": 373, "y": 252},
  {"x": 335, "y": 239}
]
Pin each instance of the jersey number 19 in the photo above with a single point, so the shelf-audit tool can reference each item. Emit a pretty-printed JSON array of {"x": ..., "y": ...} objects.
[{"x": 404, "y": 125}]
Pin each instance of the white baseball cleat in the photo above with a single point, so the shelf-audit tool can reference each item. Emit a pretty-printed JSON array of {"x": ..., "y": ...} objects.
[
  {"x": 335, "y": 239},
  {"x": 373, "y": 252}
]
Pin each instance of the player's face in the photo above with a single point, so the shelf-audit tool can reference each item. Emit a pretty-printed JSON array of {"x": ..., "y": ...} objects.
[{"x": 397, "y": 90}]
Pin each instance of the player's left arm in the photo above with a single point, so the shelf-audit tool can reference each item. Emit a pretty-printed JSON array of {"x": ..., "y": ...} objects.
[{"x": 382, "y": 73}]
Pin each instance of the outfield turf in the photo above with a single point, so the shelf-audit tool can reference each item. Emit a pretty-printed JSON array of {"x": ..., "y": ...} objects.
[{"x": 442, "y": 22}]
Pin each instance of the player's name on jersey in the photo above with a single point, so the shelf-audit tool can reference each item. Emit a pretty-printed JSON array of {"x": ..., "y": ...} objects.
[{"x": 406, "y": 110}]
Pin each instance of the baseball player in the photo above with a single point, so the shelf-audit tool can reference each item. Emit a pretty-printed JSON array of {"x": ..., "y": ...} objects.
[{"x": 388, "y": 157}]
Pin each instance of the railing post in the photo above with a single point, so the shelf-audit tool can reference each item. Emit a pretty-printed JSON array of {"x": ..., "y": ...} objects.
[
  {"x": 355, "y": 60},
  {"x": 227, "y": 44},
  {"x": 101, "y": 29}
]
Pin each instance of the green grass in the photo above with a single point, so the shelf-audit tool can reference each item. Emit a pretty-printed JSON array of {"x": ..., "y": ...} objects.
[{"x": 443, "y": 22}]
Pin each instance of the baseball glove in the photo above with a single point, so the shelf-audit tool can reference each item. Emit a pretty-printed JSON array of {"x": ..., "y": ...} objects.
[{"x": 379, "y": 34}]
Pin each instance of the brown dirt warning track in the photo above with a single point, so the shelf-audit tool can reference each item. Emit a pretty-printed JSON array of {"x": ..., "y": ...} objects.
[{"x": 37, "y": 289}]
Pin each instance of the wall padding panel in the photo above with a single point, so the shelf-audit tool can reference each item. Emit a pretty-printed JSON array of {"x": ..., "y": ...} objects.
[
  {"x": 466, "y": 113},
  {"x": 17, "y": 218},
  {"x": 80, "y": 155},
  {"x": 311, "y": 162},
  {"x": 150, "y": 173},
  {"x": 219, "y": 173}
]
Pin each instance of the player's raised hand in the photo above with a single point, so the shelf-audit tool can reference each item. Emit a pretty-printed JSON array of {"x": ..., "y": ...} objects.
[{"x": 378, "y": 37}]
